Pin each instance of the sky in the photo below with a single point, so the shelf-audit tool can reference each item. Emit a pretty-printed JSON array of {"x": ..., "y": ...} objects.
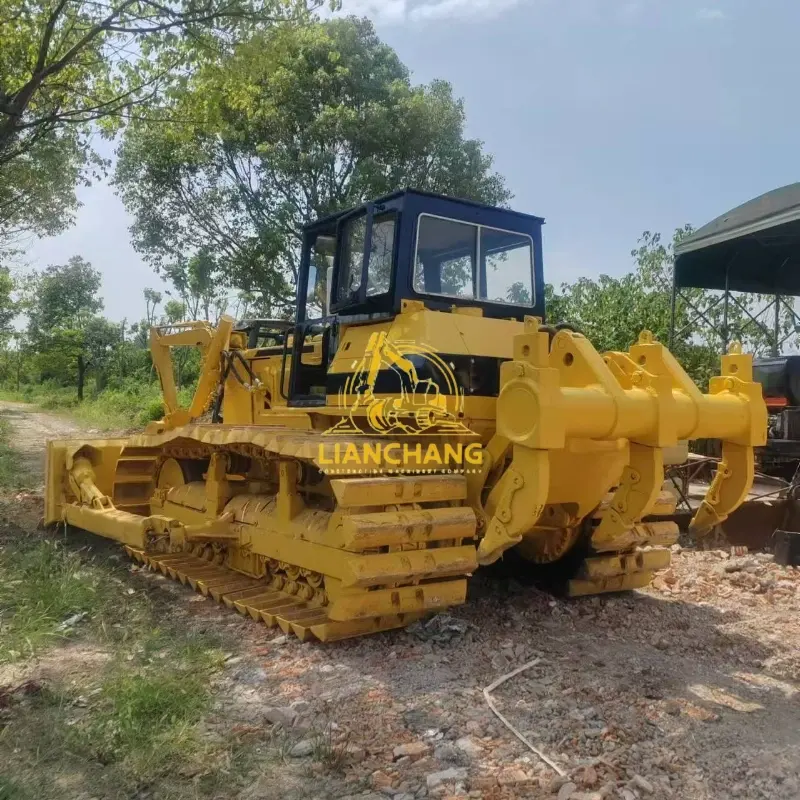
[{"x": 607, "y": 117}]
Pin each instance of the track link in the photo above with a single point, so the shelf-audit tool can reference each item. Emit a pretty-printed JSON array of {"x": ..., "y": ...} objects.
[
  {"x": 622, "y": 566},
  {"x": 256, "y": 598}
]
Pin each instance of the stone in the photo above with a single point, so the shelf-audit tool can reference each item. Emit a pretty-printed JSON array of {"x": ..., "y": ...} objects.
[
  {"x": 514, "y": 777},
  {"x": 414, "y": 750},
  {"x": 438, "y": 778},
  {"x": 501, "y": 662},
  {"x": 483, "y": 782},
  {"x": 277, "y": 715},
  {"x": 566, "y": 791},
  {"x": 303, "y": 749},
  {"x": 474, "y": 728},
  {"x": 355, "y": 753},
  {"x": 380, "y": 780},
  {"x": 587, "y": 776},
  {"x": 469, "y": 746},
  {"x": 642, "y": 783},
  {"x": 448, "y": 753}
]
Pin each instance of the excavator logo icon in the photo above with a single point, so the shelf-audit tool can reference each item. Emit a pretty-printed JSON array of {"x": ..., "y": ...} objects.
[{"x": 401, "y": 388}]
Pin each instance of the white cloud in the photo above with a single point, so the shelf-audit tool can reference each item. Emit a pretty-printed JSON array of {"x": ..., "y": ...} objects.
[
  {"x": 398, "y": 11},
  {"x": 378, "y": 10},
  {"x": 460, "y": 9},
  {"x": 710, "y": 14}
]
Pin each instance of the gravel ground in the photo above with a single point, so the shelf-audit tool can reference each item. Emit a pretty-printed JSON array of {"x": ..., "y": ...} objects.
[{"x": 689, "y": 689}]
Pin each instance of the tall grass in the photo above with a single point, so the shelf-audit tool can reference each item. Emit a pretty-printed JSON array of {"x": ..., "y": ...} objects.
[{"x": 131, "y": 405}]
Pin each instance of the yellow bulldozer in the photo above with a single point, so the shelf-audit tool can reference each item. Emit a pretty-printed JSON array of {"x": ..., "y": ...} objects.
[{"x": 346, "y": 472}]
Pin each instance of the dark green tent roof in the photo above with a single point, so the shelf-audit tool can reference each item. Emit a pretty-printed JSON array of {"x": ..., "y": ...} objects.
[{"x": 755, "y": 247}]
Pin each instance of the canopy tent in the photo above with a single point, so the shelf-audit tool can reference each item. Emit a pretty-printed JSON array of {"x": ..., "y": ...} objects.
[{"x": 753, "y": 248}]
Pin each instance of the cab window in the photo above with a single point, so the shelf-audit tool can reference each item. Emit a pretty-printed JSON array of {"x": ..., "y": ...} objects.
[
  {"x": 381, "y": 255},
  {"x": 506, "y": 260},
  {"x": 355, "y": 231},
  {"x": 474, "y": 262},
  {"x": 319, "y": 277},
  {"x": 446, "y": 257}
]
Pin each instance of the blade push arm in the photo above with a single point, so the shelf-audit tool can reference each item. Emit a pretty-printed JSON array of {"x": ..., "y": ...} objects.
[{"x": 211, "y": 342}]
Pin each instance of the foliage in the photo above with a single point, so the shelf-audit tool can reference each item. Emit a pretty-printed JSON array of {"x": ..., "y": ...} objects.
[
  {"x": 196, "y": 281},
  {"x": 120, "y": 405},
  {"x": 292, "y": 123},
  {"x": 63, "y": 327},
  {"x": 612, "y": 311},
  {"x": 67, "y": 343},
  {"x": 69, "y": 66},
  {"x": 8, "y": 304}
]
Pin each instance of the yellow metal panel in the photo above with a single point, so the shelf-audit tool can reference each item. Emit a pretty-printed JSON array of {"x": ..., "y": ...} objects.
[
  {"x": 623, "y": 564},
  {"x": 119, "y": 525},
  {"x": 620, "y": 583},
  {"x": 380, "y": 602},
  {"x": 364, "y": 531},
  {"x": 384, "y": 490}
]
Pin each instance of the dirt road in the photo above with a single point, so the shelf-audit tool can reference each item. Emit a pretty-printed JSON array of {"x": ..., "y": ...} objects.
[
  {"x": 690, "y": 689},
  {"x": 31, "y": 429}
]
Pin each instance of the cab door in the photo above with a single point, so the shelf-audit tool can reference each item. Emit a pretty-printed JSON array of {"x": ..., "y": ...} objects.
[
  {"x": 347, "y": 271},
  {"x": 311, "y": 344}
]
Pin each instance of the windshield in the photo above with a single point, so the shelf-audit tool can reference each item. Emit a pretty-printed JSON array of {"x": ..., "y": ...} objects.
[{"x": 458, "y": 259}]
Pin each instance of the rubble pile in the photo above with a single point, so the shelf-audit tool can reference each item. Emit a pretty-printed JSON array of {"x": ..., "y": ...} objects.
[{"x": 689, "y": 689}]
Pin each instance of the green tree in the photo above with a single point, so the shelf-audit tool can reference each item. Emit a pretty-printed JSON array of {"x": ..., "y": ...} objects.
[
  {"x": 68, "y": 66},
  {"x": 196, "y": 280},
  {"x": 9, "y": 305},
  {"x": 152, "y": 300},
  {"x": 612, "y": 312},
  {"x": 293, "y": 123},
  {"x": 64, "y": 328}
]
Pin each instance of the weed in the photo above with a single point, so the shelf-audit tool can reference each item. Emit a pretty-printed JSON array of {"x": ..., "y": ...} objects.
[
  {"x": 133, "y": 403},
  {"x": 43, "y": 585},
  {"x": 329, "y": 746},
  {"x": 151, "y": 700},
  {"x": 330, "y": 749},
  {"x": 10, "y": 790}
]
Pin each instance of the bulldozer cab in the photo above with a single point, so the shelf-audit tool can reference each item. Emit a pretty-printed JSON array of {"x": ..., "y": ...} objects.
[{"x": 358, "y": 266}]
